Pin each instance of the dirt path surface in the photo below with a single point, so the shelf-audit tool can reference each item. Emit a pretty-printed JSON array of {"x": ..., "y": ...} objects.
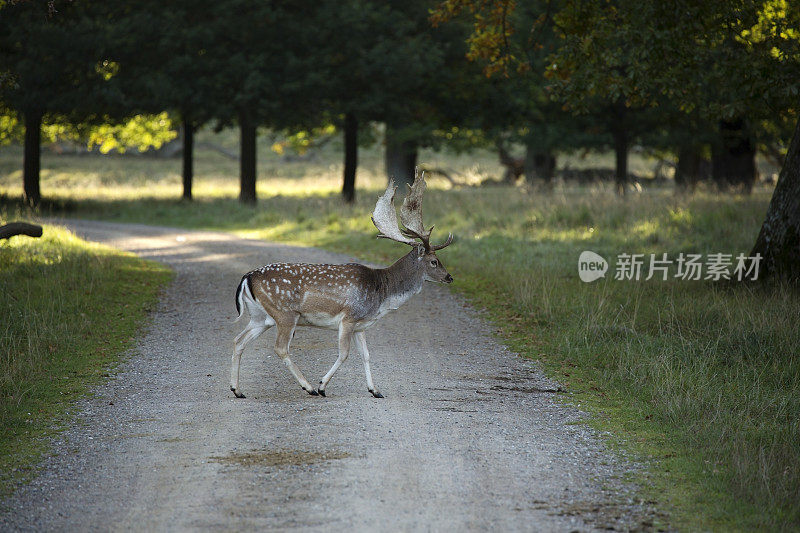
[{"x": 469, "y": 436}]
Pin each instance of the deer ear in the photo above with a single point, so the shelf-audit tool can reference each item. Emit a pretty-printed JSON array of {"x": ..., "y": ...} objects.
[{"x": 420, "y": 250}]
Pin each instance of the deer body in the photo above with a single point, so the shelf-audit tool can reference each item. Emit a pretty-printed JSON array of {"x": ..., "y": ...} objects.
[
  {"x": 348, "y": 298},
  {"x": 325, "y": 295}
]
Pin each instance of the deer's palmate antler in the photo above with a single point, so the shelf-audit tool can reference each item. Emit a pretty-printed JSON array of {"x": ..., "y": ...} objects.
[
  {"x": 410, "y": 213},
  {"x": 348, "y": 298}
]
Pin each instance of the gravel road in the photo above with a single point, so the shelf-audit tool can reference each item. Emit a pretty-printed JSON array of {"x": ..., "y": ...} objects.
[{"x": 469, "y": 437}]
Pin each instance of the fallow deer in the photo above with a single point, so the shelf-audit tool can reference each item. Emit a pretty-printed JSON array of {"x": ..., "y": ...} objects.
[{"x": 349, "y": 298}]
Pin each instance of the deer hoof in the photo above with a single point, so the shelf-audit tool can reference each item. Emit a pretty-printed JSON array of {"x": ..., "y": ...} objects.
[
  {"x": 313, "y": 392},
  {"x": 321, "y": 392},
  {"x": 237, "y": 393},
  {"x": 376, "y": 394}
]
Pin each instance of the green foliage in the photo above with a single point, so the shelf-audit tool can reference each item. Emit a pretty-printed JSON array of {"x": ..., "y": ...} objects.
[
  {"x": 462, "y": 139},
  {"x": 56, "y": 296},
  {"x": 54, "y": 52},
  {"x": 214, "y": 61},
  {"x": 301, "y": 141},
  {"x": 141, "y": 132},
  {"x": 513, "y": 42},
  {"x": 726, "y": 58},
  {"x": 491, "y": 32},
  {"x": 393, "y": 68},
  {"x": 708, "y": 60},
  {"x": 10, "y": 128}
]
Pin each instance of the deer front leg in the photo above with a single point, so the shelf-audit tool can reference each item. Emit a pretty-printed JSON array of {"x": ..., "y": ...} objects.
[
  {"x": 361, "y": 346},
  {"x": 282, "y": 340},
  {"x": 345, "y": 334}
]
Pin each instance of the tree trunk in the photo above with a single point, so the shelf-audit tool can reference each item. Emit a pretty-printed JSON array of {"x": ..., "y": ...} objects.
[
  {"x": 188, "y": 149},
  {"x": 401, "y": 159},
  {"x": 619, "y": 131},
  {"x": 539, "y": 164},
  {"x": 350, "y": 157},
  {"x": 733, "y": 158},
  {"x": 687, "y": 170},
  {"x": 515, "y": 167},
  {"x": 778, "y": 241},
  {"x": 247, "y": 160},
  {"x": 32, "y": 157},
  {"x": 621, "y": 152}
]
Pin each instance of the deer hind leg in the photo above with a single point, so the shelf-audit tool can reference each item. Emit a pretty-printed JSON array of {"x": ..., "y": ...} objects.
[
  {"x": 361, "y": 346},
  {"x": 345, "y": 335},
  {"x": 254, "y": 329},
  {"x": 282, "y": 341}
]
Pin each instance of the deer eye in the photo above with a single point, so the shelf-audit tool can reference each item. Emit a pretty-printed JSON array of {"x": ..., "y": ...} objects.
[{"x": 434, "y": 263}]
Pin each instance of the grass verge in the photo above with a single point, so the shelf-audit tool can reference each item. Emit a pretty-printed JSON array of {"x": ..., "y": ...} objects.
[{"x": 58, "y": 296}]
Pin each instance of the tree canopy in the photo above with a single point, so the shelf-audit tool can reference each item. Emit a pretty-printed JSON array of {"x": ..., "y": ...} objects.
[{"x": 636, "y": 72}]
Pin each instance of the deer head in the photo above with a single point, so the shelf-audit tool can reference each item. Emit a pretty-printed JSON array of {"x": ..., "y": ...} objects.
[{"x": 413, "y": 232}]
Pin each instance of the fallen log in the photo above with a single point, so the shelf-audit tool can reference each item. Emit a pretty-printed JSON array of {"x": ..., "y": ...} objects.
[{"x": 20, "y": 228}]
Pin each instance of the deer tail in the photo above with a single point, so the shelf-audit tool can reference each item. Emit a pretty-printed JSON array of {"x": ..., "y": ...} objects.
[{"x": 243, "y": 291}]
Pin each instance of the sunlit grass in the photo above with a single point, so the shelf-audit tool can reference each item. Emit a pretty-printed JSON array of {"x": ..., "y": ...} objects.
[
  {"x": 58, "y": 297},
  {"x": 129, "y": 177}
]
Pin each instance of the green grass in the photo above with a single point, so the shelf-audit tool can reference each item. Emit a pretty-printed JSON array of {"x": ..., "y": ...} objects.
[
  {"x": 700, "y": 378},
  {"x": 58, "y": 295}
]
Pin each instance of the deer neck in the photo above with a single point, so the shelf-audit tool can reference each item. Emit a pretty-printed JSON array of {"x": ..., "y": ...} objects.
[{"x": 403, "y": 279}]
